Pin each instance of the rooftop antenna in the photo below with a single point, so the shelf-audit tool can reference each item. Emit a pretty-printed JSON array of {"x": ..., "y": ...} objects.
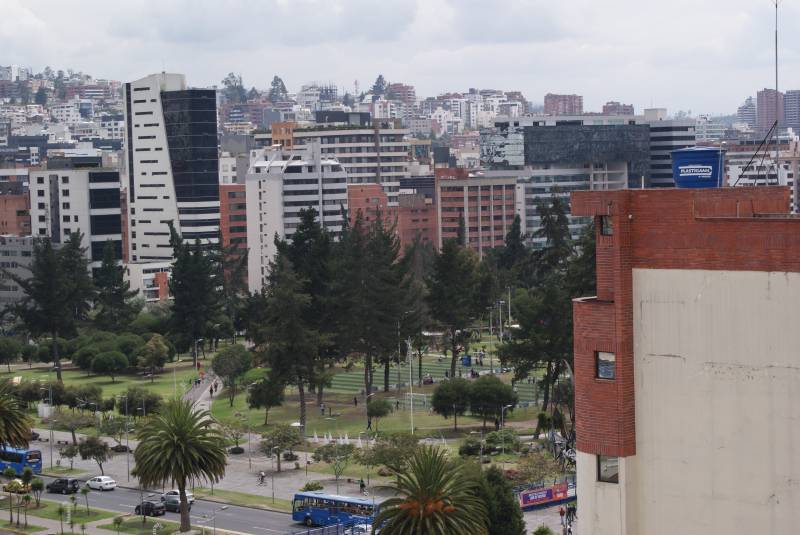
[{"x": 777, "y": 107}]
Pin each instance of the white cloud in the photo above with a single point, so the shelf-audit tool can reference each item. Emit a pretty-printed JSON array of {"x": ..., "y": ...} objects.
[{"x": 702, "y": 55}]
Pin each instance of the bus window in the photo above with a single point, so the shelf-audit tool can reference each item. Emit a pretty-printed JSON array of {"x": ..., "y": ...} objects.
[
  {"x": 34, "y": 456},
  {"x": 299, "y": 505}
]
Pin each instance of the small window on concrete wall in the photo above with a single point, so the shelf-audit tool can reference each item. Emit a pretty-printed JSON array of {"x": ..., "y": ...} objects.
[
  {"x": 606, "y": 365},
  {"x": 606, "y": 226},
  {"x": 607, "y": 469}
]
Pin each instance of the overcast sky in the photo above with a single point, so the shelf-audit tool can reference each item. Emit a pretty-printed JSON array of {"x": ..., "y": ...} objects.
[{"x": 699, "y": 55}]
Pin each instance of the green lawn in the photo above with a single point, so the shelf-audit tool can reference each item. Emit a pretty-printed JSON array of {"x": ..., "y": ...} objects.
[
  {"x": 244, "y": 499},
  {"x": 133, "y": 524},
  {"x": 62, "y": 471},
  {"x": 13, "y": 528},
  {"x": 175, "y": 378},
  {"x": 49, "y": 509}
]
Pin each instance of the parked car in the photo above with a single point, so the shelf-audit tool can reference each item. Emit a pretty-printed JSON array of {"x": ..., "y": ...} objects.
[
  {"x": 64, "y": 485},
  {"x": 359, "y": 529},
  {"x": 173, "y": 503},
  {"x": 34, "y": 435},
  {"x": 101, "y": 483},
  {"x": 175, "y": 492},
  {"x": 150, "y": 508},
  {"x": 17, "y": 487}
]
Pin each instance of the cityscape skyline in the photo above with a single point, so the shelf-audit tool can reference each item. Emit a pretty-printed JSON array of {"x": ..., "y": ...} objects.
[{"x": 651, "y": 56}]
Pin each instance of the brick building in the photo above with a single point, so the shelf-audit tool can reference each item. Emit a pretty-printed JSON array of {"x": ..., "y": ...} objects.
[
  {"x": 486, "y": 203},
  {"x": 15, "y": 205},
  {"x": 233, "y": 215},
  {"x": 686, "y": 363},
  {"x": 563, "y": 104}
]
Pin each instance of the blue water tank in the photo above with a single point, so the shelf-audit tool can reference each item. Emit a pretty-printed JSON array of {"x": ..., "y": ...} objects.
[{"x": 698, "y": 167}]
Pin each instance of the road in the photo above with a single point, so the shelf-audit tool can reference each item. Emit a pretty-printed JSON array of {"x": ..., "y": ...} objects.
[{"x": 234, "y": 518}]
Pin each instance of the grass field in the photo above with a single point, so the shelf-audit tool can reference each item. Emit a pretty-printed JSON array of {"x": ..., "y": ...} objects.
[
  {"x": 244, "y": 499},
  {"x": 49, "y": 509},
  {"x": 133, "y": 524},
  {"x": 7, "y": 527},
  {"x": 175, "y": 378}
]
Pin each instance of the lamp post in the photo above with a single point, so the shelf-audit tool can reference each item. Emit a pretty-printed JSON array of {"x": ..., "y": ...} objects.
[
  {"x": 50, "y": 410},
  {"x": 127, "y": 441},
  {"x": 491, "y": 340},
  {"x": 410, "y": 381},
  {"x": 213, "y": 518}
]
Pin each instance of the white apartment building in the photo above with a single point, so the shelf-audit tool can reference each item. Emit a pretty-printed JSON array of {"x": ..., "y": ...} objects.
[
  {"x": 280, "y": 183},
  {"x": 706, "y": 128},
  {"x": 112, "y": 127},
  {"x": 376, "y": 154},
  {"x": 66, "y": 113},
  {"x": 85, "y": 199},
  {"x": 172, "y": 164},
  {"x": 227, "y": 168},
  {"x": 746, "y": 168}
]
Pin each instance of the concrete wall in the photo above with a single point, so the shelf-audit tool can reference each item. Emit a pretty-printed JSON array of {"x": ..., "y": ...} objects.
[{"x": 717, "y": 382}]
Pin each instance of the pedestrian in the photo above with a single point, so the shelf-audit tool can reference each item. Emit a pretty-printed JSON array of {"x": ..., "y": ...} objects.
[
  {"x": 369, "y": 424},
  {"x": 562, "y": 513},
  {"x": 330, "y": 410},
  {"x": 397, "y": 405},
  {"x": 355, "y": 401},
  {"x": 322, "y": 409},
  {"x": 497, "y": 427},
  {"x": 362, "y": 487},
  {"x": 446, "y": 374},
  {"x": 569, "y": 528},
  {"x": 261, "y": 476}
]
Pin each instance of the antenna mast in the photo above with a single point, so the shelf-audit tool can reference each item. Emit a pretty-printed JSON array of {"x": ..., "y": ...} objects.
[{"x": 777, "y": 103}]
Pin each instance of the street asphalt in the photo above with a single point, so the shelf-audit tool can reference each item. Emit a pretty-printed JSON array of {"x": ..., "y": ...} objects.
[{"x": 233, "y": 518}]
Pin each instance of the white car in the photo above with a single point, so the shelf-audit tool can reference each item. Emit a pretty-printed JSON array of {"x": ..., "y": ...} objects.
[
  {"x": 359, "y": 529},
  {"x": 101, "y": 483},
  {"x": 189, "y": 495}
]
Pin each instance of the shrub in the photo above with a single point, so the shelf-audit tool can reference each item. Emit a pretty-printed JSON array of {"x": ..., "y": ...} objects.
[
  {"x": 503, "y": 439},
  {"x": 543, "y": 530},
  {"x": 289, "y": 456},
  {"x": 471, "y": 446},
  {"x": 312, "y": 486}
]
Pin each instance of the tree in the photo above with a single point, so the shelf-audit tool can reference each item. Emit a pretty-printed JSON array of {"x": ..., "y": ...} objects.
[
  {"x": 28, "y": 353},
  {"x": 139, "y": 398},
  {"x": 70, "y": 451},
  {"x": 26, "y": 502},
  {"x": 114, "y": 428},
  {"x": 115, "y": 306},
  {"x": 536, "y": 466},
  {"x": 230, "y": 365},
  {"x": 277, "y": 90},
  {"x": 434, "y": 495},
  {"x": 109, "y": 363},
  {"x": 293, "y": 344},
  {"x": 71, "y": 422},
  {"x": 37, "y": 487},
  {"x": 379, "y": 87},
  {"x": 543, "y": 530},
  {"x": 57, "y": 292},
  {"x": 41, "y": 96},
  {"x": 15, "y": 425},
  {"x": 392, "y": 451},
  {"x": 488, "y": 396},
  {"x": 118, "y": 520},
  {"x": 154, "y": 354},
  {"x": 502, "y": 506},
  {"x": 10, "y": 474},
  {"x": 83, "y": 357},
  {"x": 85, "y": 492},
  {"x": 233, "y": 429},
  {"x": 338, "y": 456},
  {"x": 10, "y": 349},
  {"x": 94, "y": 448},
  {"x": 451, "y": 398},
  {"x": 377, "y": 409},
  {"x": 280, "y": 438},
  {"x": 452, "y": 294},
  {"x": 232, "y": 271},
  {"x": 265, "y": 394},
  {"x": 179, "y": 444},
  {"x": 234, "y": 90},
  {"x": 195, "y": 289}
]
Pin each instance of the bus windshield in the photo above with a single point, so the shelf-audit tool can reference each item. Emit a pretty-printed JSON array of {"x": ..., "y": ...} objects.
[{"x": 34, "y": 456}]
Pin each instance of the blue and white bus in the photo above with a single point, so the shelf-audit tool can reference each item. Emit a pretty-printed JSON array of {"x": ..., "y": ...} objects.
[
  {"x": 320, "y": 509},
  {"x": 19, "y": 458}
]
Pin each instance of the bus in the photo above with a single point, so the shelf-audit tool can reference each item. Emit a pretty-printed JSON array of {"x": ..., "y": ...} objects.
[
  {"x": 320, "y": 509},
  {"x": 19, "y": 458}
]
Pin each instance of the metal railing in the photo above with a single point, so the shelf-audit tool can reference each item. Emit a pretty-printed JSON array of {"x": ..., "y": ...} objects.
[{"x": 349, "y": 528}]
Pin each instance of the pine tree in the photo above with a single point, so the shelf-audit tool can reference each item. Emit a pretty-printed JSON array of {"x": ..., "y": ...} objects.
[
  {"x": 379, "y": 87},
  {"x": 277, "y": 90},
  {"x": 231, "y": 263},
  {"x": 452, "y": 293},
  {"x": 114, "y": 307},
  {"x": 195, "y": 290}
]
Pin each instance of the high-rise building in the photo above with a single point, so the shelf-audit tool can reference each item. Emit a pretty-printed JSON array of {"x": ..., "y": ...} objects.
[
  {"x": 563, "y": 104},
  {"x": 77, "y": 195},
  {"x": 707, "y": 128},
  {"x": 769, "y": 108},
  {"x": 16, "y": 253},
  {"x": 279, "y": 185},
  {"x": 402, "y": 92},
  {"x": 172, "y": 165},
  {"x": 746, "y": 113},
  {"x": 233, "y": 217},
  {"x": 15, "y": 204},
  {"x": 665, "y": 136},
  {"x": 791, "y": 110},
  {"x": 615, "y": 108},
  {"x": 372, "y": 151},
  {"x": 685, "y": 363}
]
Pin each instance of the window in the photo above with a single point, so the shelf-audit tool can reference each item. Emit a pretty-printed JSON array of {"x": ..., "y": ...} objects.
[
  {"x": 65, "y": 193},
  {"x": 41, "y": 206},
  {"x": 65, "y": 219},
  {"x": 40, "y": 193},
  {"x": 606, "y": 365},
  {"x": 65, "y": 180},
  {"x": 606, "y": 226},
  {"x": 65, "y": 206},
  {"x": 40, "y": 180},
  {"x": 607, "y": 469}
]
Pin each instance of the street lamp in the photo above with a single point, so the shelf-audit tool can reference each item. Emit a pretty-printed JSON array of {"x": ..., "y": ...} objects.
[
  {"x": 127, "y": 441},
  {"x": 491, "y": 340},
  {"x": 502, "y": 428},
  {"x": 214, "y": 517}
]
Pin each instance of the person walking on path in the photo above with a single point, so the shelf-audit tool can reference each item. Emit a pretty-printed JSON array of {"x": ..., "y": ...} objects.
[
  {"x": 562, "y": 513},
  {"x": 261, "y": 476},
  {"x": 369, "y": 424},
  {"x": 355, "y": 401},
  {"x": 362, "y": 487}
]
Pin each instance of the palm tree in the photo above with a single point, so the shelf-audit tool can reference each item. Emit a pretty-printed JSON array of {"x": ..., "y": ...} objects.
[
  {"x": 434, "y": 496},
  {"x": 178, "y": 444},
  {"x": 15, "y": 425}
]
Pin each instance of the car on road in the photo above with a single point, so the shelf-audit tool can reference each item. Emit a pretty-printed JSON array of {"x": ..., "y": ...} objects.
[
  {"x": 101, "y": 483},
  {"x": 176, "y": 493},
  {"x": 173, "y": 503},
  {"x": 17, "y": 487},
  {"x": 64, "y": 485},
  {"x": 150, "y": 508},
  {"x": 359, "y": 529}
]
